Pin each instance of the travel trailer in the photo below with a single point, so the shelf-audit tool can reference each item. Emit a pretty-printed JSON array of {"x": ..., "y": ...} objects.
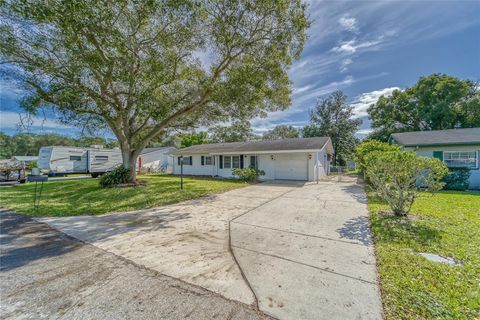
[{"x": 55, "y": 159}]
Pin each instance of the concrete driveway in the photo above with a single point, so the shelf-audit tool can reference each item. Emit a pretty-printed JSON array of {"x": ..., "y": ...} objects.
[{"x": 298, "y": 251}]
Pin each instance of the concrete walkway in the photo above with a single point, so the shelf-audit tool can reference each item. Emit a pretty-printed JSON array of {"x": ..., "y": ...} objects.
[{"x": 304, "y": 250}]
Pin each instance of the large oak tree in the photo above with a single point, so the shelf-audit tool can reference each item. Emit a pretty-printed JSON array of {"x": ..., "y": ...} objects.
[
  {"x": 145, "y": 67},
  {"x": 435, "y": 102}
]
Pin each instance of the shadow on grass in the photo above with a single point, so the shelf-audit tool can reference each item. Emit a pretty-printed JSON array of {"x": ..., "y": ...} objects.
[{"x": 390, "y": 228}]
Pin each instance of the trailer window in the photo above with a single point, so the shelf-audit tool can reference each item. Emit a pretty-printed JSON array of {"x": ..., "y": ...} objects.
[
  {"x": 75, "y": 158},
  {"x": 101, "y": 158}
]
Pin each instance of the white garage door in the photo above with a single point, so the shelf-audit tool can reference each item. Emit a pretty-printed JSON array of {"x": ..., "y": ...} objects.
[{"x": 291, "y": 167}]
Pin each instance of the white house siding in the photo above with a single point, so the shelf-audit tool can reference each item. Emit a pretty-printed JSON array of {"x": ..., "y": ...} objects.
[
  {"x": 316, "y": 165},
  {"x": 474, "y": 174},
  {"x": 196, "y": 168}
]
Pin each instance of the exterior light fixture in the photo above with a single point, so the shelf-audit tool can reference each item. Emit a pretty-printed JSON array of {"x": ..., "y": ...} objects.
[
  {"x": 271, "y": 157},
  {"x": 310, "y": 156}
]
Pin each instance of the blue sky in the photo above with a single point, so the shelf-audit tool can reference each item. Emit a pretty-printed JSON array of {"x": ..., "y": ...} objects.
[{"x": 365, "y": 48}]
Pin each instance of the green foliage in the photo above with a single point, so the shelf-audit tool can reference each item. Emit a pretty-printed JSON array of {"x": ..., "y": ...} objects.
[
  {"x": 436, "y": 102},
  {"x": 29, "y": 144},
  {"x": 248, "y": 174},
  {"x": 190, "y": 139},
  {"x": 136, "y": 67},
  {"x": 113, "y": 178},
  {"x": 366, "y": 147},
  {"x": 457, "y": 179},
  {"x": 397, "y": 176},
  {"x": 85, "y": 196},
  {"x": 239, "y": 131},
  {"x": 332, "y": 117},
  {"x": 281, "y": 132},
  {"x": 31, "y": 165}
]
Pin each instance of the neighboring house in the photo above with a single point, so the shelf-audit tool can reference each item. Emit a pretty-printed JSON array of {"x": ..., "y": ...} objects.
[
  {"x": 25, "y": 159},
  {"x": 287, "y": 159},
  {"x": 455, "y": 147},
  {"x": 156, "y": 159}
]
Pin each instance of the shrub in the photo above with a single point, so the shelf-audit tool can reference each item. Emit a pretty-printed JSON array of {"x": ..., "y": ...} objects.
[
  {"x": 367, "y": 147},
  {"x": 248, "y": 174},
  {"x": 31, "y": 165},
  {"x": 399, "y": 175},
  {"x": 457, "y": 179},
  {"x": 117, "y": 176}
]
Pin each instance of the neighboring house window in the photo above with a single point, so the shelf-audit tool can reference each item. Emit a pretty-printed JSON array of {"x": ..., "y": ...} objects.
[
  {"x": 227, "y": 162},
  {"x": 101, "y": 158},
  {"x": 75, "y": 158},
  {"x": 460, "y": 159}
]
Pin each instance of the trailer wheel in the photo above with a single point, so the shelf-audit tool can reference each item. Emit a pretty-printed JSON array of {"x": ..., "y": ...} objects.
[{"x": 95, "y": 174}]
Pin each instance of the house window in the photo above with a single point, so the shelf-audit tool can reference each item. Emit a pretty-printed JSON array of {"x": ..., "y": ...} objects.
[
  {"x": 253, "y": 162},
  {"x": 235, "y": 161},
  {"x": 208, "y": 161},
  {"x": 460, "y": 159},
  {"x": 227, "y": 162},
  {"x": 75, "y": 158},
  {"x": 187, "y": 161},
  {"x": 101, "y": 158}
]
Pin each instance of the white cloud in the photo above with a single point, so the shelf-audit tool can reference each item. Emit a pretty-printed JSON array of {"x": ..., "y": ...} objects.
[
  {"x": 348, "y": 23},
  {"x": 365, "y": 100},
  {"x": 364, "y": 132},
  {"x": 11, "y": 120},
  {"x": 301, "y": 89},
  {"x": 10, "y": 89},
  {"x": 345, "y": 63},
  {"x": 352, "y": 46}
]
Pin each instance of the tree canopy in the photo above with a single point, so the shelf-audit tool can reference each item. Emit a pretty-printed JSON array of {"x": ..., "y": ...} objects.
[
  {"x": 436, "y": 102},
  {"x": 239, "y": 131},
  {"x": 190, "y": 139},
  {"x": 333, "y": 117},
  {"x": 281, "y": 132},
  {"x": 143, "y": 68}
]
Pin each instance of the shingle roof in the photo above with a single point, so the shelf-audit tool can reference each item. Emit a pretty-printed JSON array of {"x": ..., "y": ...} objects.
[
  {"x": 164, "y": 149},
  {"x": 316, "y": 143},
  {"x": 438, "y": 137}
]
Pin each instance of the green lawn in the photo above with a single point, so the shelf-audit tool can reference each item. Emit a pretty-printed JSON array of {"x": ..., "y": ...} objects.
[
  {"x": 76, "y": 197},
  {"x": 447, "y": 224}
]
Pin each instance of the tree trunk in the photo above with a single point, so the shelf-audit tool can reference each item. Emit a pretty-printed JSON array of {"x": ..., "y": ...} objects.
[{"x": 129, "y": 160}]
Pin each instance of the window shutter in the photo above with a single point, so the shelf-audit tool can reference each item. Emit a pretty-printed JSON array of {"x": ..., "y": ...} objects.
[
  {"x": 191, "y": 160},
  {"x": 203, "y": 160},
  {"x": 178, "y": 160},
  {"x": 438, "y": 155},
  {"x": 221, "y": 162},
  {"x": 241, "y": 161}
]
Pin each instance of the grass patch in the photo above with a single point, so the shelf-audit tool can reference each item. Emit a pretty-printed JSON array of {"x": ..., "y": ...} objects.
[
  {"x": 447, "y": 224},
  {"x": 77, "y": 197}
]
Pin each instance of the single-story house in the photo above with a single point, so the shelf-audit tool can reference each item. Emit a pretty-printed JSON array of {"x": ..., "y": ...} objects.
[
  {"x": 156, "y": 159},
  {"x": 287, "y": 159},
  {"x": 455, "y": 147}
]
